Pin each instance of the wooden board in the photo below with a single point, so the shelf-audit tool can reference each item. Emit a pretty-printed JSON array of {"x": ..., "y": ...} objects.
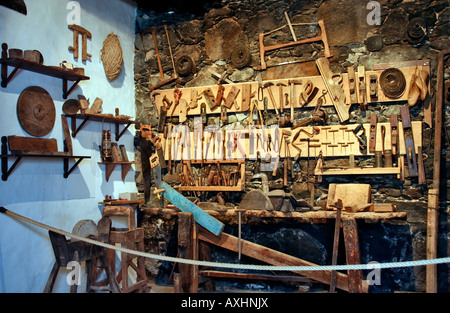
[
  {"x": 274, "y": 257},
  {"x": 350, "y": 194},
  {"x": 23, "y": 144}
]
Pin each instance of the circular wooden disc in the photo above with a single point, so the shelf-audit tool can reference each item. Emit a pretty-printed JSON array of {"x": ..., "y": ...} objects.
[{"x": 36, "y": 111}]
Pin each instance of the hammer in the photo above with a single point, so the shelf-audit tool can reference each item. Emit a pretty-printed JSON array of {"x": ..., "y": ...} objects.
[
  {"x": 293, "y": 82},
  {"x": 281, "y": 95},
  {"x": 272, "y": 98}
]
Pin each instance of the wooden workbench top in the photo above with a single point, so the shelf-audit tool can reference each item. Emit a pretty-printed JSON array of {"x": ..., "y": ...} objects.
[{"x": 310, "y": 216}]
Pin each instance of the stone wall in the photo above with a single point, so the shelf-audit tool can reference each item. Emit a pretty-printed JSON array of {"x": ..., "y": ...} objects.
[{"x": 210, "y": 40}]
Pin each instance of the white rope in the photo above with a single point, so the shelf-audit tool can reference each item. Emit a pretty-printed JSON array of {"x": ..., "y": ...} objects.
[{"x": 233, "y": 265}]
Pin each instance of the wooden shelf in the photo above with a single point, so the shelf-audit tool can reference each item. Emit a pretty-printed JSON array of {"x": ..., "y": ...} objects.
[
  {"x": 66, "y": 156},
  {"x": 111, "y": 165},
  {"x": 53, "y": 71},
  {"x": 100, "y": 118},
  {"x": 359, "y": 171}
]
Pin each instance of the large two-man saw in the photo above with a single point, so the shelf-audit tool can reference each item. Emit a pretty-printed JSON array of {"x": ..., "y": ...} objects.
[{"x": 201, "y": 217}]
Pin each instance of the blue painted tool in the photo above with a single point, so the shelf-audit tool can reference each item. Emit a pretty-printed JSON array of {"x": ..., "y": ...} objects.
[
  {"x": 178, "y": 200},
  {"x": 200, "y": 216}
]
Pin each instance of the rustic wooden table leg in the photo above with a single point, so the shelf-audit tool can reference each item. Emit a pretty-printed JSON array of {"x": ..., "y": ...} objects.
[
  {"x": 188, "y": 249},
  {"x": 351, "y": 241}
]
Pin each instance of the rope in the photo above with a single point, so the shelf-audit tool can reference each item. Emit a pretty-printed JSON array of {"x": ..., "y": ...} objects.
[{"x": 232, "y": 265}]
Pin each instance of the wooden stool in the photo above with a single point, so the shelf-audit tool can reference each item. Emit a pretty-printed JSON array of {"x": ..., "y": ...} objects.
[
  {"x": 126, "y": 211},
  {"x": 133, "y": 238}
]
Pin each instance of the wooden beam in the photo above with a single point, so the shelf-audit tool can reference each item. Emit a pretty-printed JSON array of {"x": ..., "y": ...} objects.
[
  {"x": 233, "y": 275},
  {"x": 274, "y": 257},
  {"x": 433, "y": 207},
  {"x": 352, "y": 254},
  {"x": 187, "y": 249}
]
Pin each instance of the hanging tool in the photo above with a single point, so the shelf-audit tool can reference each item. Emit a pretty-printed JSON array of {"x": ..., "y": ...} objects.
[
  {"x": 292, "y": 83},
  {"x": 394, "y": 134},
  {"x": 194, "y": 99},
  {"x": 280, "y": 94},
  {"x": 373, "y": 132},
  {"x": 210, "y": 99},
  {"x": 373, "y": 85},
  {"x": 158, "y": 58},
  {"x": 362, "y": 92},
  {"x": 360, "y": 134},
  {"x": 255, "y": 113},
  {"x": 352, "y": 84},
  {"x": 306, "y": 93},
  {"x": 219, "y": 96},
  {"x": 177, "y": 96},
  {"x": 265, "y": 111},
  {"x": 333, "y": 82},
  {"x": 247, "y": 95},
  {"x": 272, "y": 98},
  {"x": 322, "y": 37},
  {"x": 231, "y": 97},
  {"x": 409, "y": 141}
]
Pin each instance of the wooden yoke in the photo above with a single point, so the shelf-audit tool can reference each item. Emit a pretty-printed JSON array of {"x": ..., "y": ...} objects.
[{"x": 85, "y": 34}]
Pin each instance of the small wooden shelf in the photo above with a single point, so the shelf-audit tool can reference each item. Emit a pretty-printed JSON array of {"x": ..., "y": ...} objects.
[
  {"x": 111, "y": 165},
  {"x": 65, "y": 156},
  {"x": 101, "y": 118},
  {"x": 53, "y": 71},
  {"x": 360, "y": 171}
]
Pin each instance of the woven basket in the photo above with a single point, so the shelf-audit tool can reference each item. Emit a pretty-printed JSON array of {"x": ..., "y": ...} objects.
[{"x": 112, "y": 56}]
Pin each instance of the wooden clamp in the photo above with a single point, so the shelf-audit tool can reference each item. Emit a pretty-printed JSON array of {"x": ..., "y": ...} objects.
[
  {"x": 85, "y": 34},
  {"x": 210, "y": 99},
  {"x": 231, "y": 97}
]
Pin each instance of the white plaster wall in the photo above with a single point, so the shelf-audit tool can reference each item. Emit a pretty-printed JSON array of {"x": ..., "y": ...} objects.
[{"x": 37, "y": 188}]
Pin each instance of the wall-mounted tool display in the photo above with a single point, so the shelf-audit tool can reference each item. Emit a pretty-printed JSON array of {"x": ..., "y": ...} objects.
[{"x": 237, "y": 97}]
